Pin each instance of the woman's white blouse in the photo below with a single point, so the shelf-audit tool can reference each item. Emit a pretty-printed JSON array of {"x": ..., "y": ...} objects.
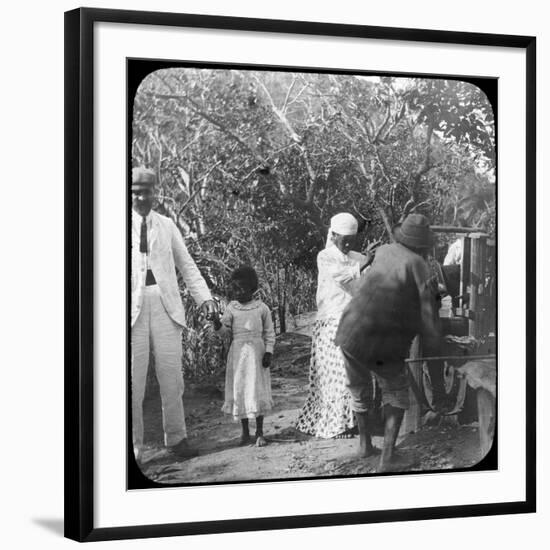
[{"x": 337, "y": 274}]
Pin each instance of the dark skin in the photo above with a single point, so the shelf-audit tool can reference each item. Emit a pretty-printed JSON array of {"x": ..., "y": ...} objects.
[
  {"x": 243, "y": 292},
  {"x": 366, "y": 448},
  {"x": 142, "y": 199},
  {"x": 393, "y": 418},
  {"x": 345, "y": 243}
]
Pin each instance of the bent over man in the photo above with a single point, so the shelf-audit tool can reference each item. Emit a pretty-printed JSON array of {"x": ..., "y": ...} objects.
[{"x": 394, "y": 302}]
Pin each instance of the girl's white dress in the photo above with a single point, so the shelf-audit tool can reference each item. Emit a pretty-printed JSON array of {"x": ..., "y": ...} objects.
[{"x": 247, "y": 382}]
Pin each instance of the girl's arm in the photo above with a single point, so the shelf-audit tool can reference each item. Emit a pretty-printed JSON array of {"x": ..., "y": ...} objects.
[
  {"x": 224, "y": 325},
  {"x": 268, "y": 334}
]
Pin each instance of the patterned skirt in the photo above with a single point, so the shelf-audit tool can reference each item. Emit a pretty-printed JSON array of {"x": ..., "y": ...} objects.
[{"x": 327, "y": 411}]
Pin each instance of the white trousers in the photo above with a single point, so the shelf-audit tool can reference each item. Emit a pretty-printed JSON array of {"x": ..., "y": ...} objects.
[{"x": 155, "y": 331}]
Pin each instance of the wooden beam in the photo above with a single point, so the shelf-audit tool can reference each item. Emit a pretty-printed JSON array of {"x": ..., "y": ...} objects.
[
  {"x": 412, "y": 421},
  {"x": 450, "y": 358},
  {"x": 465, "y": 269},
  {"x": 477, "y": 285},
  {"x": 453, "y": 229}
]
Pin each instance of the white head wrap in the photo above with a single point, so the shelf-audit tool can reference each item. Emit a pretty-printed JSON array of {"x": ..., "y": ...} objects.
[{"x": 343, "y": 224}]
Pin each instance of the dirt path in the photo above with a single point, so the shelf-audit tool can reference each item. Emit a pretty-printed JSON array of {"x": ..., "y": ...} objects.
[{"x": 289, "y": 455}]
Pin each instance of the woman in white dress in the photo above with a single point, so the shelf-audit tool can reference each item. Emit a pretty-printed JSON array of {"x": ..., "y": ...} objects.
[{"x": 327, "y": 412}]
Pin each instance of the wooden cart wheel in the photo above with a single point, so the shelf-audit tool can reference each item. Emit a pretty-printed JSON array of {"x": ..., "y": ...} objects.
[{"x": 455, "y": 389}]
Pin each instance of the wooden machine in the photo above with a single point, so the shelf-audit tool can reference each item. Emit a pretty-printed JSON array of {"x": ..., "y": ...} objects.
[{"x": 467, "y": 364}]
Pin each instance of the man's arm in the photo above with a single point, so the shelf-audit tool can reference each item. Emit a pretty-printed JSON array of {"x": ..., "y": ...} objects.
[
  {"x": 190, "y": 272},
  {"x": 368, "y": 257}
]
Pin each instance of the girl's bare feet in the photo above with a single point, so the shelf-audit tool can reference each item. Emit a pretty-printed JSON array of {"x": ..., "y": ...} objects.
[
  {"x": 260, "y": 440},
  {"x": 245, "y": 434},
  {"x": 245, "y": 440}
]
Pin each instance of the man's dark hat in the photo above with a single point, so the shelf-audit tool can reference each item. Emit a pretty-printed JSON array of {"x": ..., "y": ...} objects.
[
  {"x": 414, "y": 232},
  {"x": 143, "y": 178}
]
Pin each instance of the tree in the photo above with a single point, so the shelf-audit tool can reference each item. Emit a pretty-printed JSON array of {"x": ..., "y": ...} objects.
[{"x": 252, "y": 164}]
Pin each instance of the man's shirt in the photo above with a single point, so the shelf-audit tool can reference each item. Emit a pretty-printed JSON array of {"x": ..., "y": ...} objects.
[{"x": 394, "y": 302}]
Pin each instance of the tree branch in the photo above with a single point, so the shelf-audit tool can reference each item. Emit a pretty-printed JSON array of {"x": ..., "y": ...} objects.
[
  {"x": 296, "y": 139},
  {"x": 417, "y": 206},
  {"x": 383, "y": 125},
  {"x": 193, "y": 105},
  {"x": 296, "y": 97},
  {"x": 426, "y": 164},
  {"x": 198, "y": 188},
  {"x": 283, "y": 108},
  {"x": 293, "y": 135},
  {"x": 387, "y": 224}
]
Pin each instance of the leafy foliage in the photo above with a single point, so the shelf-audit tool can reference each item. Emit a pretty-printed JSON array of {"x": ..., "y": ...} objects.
[{"x": 252, "y": 164}]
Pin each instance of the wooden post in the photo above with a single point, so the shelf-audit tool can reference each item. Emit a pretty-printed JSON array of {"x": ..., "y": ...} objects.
[
  {"x": 477, "y": 284},
  {"x": 452, "y": 229},
  {"x": 465, "y": 269},
  {"x": 490, "y": 291},
  {"x": 412, "y": 421}
]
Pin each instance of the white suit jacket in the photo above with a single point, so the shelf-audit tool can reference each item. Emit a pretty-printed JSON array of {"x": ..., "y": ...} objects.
[{"x": 166, "y": 252}]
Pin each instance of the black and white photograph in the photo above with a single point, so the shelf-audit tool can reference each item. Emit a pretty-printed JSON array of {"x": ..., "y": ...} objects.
[
  {"x": 274, "y": 275},
  {"x": 312, "y": 274},
  {"x": 300, "y": 275}
]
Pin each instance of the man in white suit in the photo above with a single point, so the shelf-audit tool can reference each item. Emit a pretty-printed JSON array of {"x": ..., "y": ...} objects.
[{"x": 157, "y": 313}]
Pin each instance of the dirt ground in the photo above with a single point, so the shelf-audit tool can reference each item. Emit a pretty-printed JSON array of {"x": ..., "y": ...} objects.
[{"x": 289, "y": 454}]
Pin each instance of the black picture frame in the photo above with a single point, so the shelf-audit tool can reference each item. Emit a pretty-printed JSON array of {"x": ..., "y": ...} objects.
[{"x": 79, "y": 269}]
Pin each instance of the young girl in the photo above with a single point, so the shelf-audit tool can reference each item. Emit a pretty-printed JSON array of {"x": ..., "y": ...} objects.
[{"x": 247, "y": 381}]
